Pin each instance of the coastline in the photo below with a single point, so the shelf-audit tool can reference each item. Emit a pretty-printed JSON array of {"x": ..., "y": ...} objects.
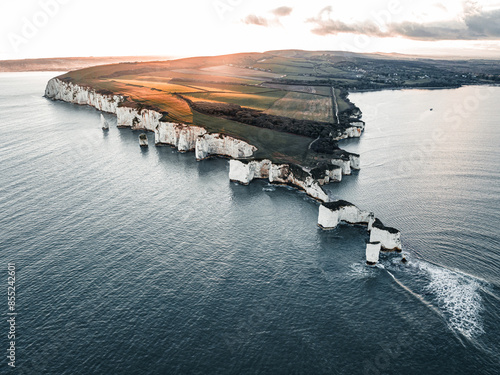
[
  {"x": 430, "y": 88},
  {"x": 243, "y": 168}
]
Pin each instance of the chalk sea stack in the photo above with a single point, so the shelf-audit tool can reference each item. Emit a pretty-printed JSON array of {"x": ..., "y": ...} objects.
[
  {"x": 104, "y": 123},
  {"x": 372, "y": 253},
  {"x": 143, "y": 140}
]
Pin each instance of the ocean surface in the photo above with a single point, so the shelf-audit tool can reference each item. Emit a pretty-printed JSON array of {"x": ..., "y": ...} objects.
[{"x": 144, "y": 261}]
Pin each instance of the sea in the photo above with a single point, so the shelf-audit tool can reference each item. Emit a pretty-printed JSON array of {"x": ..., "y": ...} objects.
[{"x": 133, "y": 260}]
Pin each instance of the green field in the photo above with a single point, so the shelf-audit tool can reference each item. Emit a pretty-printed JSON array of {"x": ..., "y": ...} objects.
[{"x": 277, "y": 146}]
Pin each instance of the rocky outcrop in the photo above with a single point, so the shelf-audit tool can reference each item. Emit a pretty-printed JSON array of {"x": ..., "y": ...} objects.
[
  {"x": 143, "y": 140},
  {"x": 58, "y": 89},
  {"x": 104, "y": 123},
  {"x": 190, "y": 137},
  {"x": 354, "y": 130},
  {"x": 327, "y": 173},
  {"x": 343, "y": 164},
  {"x": 145, "y": 119},
  {"x": 345, "y": 160},
  {"x": 332, "y": 213},
  {"x": 244, "y": 171},
  {"x": 211, "y": 144},
  {"x": 354, "y": 160},
  {"x": 294, "y": 175},
  {"x": 389, "y": 238}
]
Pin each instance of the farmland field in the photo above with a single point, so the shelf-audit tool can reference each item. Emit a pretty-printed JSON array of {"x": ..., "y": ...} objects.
[
  {"x": 251, "y": 81},
  {"x": 303, "y": 106}
]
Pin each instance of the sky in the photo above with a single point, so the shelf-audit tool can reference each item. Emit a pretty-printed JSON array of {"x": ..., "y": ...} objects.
[{"x": 71, "y": 28}]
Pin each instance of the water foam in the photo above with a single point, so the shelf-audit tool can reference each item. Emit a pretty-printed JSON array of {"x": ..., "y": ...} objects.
[{"x": 458, "y": 297}]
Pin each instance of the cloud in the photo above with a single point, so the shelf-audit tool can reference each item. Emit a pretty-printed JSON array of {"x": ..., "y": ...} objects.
[
  {"x": 282, "y": 11},
  {"x": 474, "y": 24},
  {"x": 252, "y": 19}
]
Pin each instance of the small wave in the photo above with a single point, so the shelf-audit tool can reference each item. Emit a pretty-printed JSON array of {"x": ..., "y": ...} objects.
[
  {"x": 361, "y": 270},
  {"x": 269, "y": 188}
]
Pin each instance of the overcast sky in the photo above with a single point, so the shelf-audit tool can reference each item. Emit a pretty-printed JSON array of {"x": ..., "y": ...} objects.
[{"x": 60, "y": 28}]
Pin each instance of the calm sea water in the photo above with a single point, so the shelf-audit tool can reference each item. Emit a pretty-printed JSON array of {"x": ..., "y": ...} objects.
[{"x": 135, "y": 261}]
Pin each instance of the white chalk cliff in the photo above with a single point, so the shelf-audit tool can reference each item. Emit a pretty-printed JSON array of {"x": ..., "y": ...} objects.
[
  {"x": 354, "y": 130},
  {"x": 58, "y": 89},
  {"x": 145, "y": 119},
  {"x": 372, "y": 252},
  {"x": 184, "y": 137},
  {"x": 244, "y": 171},
  {"x": 346, "y": 160},
  {"x": 332, "y": 213},
  {"x": 181, "y": 136},
  {"x": 220, "y": 144}
]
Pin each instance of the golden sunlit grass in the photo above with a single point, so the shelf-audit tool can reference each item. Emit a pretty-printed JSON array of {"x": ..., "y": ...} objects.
[
  {"x": 261, "y": 101},
  {"x": 165, "y": 87},
  {"x": 200, "y": 75}
]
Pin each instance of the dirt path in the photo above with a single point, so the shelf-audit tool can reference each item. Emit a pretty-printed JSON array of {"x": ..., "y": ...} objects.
[{"x": 335, "y": 107}]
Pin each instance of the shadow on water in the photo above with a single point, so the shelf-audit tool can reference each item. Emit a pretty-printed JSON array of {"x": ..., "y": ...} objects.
[{"x": 211, "y": 166}]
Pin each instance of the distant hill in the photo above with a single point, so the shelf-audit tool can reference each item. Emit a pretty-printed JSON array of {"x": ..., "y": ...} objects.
[{"x": 69, "y": 63}]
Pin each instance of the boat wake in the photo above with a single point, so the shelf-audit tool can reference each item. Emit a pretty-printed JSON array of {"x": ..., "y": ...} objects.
[
  {"x": 459, "y": 297},
  {"x": 455, "y": 296}
]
